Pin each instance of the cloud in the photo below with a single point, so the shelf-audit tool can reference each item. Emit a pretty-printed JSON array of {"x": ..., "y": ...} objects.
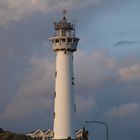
[
  {"x": 12, "y": 11},
  {"x": 34, "y": 93},
  {"x": 124, "y": 110},
  {"x": 125, "y": 42},
  {"x": 96, "y": 68},
  {"x": 125, "y": 33},
  {"x": 129, "y": 73},
  {"x": 85, "y": 103}
]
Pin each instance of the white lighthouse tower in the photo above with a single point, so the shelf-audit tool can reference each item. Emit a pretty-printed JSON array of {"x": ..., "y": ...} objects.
[{"x": 64, "y": 44}]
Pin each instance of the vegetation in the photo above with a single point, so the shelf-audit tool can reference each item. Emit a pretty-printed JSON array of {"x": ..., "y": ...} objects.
[{"x": 6, "y": 135}]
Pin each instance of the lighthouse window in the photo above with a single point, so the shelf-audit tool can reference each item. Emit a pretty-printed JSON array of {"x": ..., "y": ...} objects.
[
  {"x": 63, "y": 40},
  {"x": 69, "y": 40},
  {"x": 54, "y": 94},
  {"x": 63, "y": 32},
  {"x": 55, "y": 73},
  {"x": 75, "y": 107},
  {"x": 54, "y": 115},
  {"x": 57, "y": 40},
  {"x": 72, "y": 82}
]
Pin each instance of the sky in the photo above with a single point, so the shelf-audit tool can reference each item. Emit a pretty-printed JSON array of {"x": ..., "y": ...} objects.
[{"x": 106, "y": 65}]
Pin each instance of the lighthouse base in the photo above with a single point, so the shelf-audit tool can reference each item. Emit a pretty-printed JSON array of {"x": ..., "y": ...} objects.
[
  {"x": 81, "y": 134},
  {"x": 69, "y": 138}
]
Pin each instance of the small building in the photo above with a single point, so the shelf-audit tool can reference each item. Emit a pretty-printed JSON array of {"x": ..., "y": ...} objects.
[
  {"x": 41, "y": 135},
  {"x": 79, "y": 134},
  {"x": 48, "y": 134},
  {"x": 82, "y": 134}
]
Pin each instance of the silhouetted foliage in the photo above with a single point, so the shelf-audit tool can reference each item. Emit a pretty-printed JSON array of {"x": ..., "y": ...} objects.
[
  {"x": 6, "y": 135},
  {"x": 1, "y": 130}
]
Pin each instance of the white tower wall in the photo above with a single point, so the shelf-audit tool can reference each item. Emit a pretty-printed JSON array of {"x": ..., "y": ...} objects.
[{"x": 64, "y": 121}]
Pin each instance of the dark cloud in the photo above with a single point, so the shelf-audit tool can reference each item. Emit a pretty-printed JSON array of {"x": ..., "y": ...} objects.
[
  {"x": 126, "y": 33},
  {"x": 125, "y": 43}
]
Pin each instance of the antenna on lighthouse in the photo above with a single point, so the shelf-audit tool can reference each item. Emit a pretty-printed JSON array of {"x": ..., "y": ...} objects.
[{"x": 64, "y": 13}]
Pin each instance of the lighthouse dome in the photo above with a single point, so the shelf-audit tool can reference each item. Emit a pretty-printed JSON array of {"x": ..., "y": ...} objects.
[{"x": 63, "y": 24}]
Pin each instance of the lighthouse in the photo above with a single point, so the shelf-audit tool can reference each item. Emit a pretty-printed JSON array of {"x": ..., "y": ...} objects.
[{"x": 64, "y": 44}]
